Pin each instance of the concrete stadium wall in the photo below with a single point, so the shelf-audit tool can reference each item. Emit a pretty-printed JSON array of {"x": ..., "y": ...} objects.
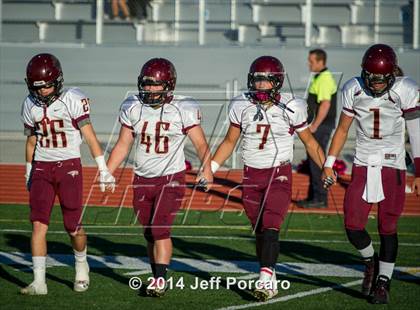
[{"x": 108, "y": 73}]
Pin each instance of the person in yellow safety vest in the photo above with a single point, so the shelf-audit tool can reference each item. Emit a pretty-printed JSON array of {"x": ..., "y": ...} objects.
[{"x": 322, "y": 101}]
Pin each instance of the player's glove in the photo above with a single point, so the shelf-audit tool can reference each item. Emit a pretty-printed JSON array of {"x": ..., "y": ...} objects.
[
  {"x": 106, "y": 181},
  {"x": 329, "y": 181},
  {"x": 203, "y": 183}
]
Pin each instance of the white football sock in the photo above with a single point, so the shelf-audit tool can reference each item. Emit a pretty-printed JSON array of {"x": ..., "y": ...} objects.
[
  {"x": 39, "y": 266},
  {"x": 367, "y": 251},
  {"x": 81, "y": 256},
  {"x": 386, "y": 269},
  {"x": 82, "y": 267}
]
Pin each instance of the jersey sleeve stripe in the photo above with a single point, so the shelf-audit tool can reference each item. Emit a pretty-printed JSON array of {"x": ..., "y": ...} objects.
[
  {"x": 126, "y": 126},
  {"x": 28, "y": 130},
  {"x": 411, "y": 113},
  {"x": 300, "y": 125},
  {"x": 349, "y": 110},
  {"x": 235, "y": 125},
  {"x": 82, "y": 120},
  {"x": 186, "y": 129}
]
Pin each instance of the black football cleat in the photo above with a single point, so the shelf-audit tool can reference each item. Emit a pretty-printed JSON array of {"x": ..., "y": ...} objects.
[
  {"x": 370, "y": 274},
  {"x": 380, "y": 294}
]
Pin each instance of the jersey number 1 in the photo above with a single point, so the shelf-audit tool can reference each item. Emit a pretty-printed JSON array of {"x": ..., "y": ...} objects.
[{"x": 376, "y": 123}]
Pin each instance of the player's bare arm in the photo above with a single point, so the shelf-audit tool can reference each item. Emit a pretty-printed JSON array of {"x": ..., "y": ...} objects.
[
  {"x": 199, "y": 141},
  {"x": 337, "y": 143},
  {"x": 107, "y": 181},
  {"x": 121, "y": 149},
  {"x": 226, "y": 148},
  {"x": 91, "y": 140},
  {"x": 324, "y": 107},
  {"x": 312, "y": 147},
  {"x": 29, "y": 154}
]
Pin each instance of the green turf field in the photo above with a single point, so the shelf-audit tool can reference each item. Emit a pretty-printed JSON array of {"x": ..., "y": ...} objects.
[{"x": 321, "y": 266}]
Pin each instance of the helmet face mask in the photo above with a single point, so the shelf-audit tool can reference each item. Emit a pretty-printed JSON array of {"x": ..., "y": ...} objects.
[
  {"x": 44, "y": 71},
  {"x": 265, "y": 69},
  {"x": 152, "y": 96},
  {"x": 372, "y": 81},
  {"x": 156, "y": 72},
  {"x": 378, "y": 69}
]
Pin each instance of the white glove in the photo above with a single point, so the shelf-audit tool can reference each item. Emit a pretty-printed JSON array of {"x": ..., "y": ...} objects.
[
  {"x": 28, "y": 176},
  {"x": 106, "y": 181}
]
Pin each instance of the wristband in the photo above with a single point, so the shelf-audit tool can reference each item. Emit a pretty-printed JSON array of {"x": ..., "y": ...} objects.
[
  {"x": 214, "y": 166},
  {"x": 329, "y": 162},
  {"x": 100, "y": 161}
]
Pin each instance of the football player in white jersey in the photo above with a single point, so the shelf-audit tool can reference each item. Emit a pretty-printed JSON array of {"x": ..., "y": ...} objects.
[
  {"x": 267, "y": 119},
  {"x": 382, "y": 105},
  {"x": 55, "y": 119},
  {"x": 159, "y": 122}
]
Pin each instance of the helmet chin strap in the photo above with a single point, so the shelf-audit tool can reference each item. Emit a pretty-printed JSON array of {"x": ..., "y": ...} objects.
[{"x": 263, "y": 102}]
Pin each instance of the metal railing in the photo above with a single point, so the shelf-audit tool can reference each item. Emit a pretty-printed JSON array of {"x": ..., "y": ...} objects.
[{"x": 307, "y": 16}]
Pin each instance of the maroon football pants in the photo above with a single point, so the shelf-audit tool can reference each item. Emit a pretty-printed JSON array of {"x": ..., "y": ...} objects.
[
  {"x": 266, "y": 195},
  {"x": 156, "y": 201},
  {"x": 62, "y": 178},
  {"x": 356, "y": 210}
]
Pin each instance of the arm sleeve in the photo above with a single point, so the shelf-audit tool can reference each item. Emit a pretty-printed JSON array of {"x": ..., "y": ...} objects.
[
  {"x": 347, "y": 100},
  {"x": 410, "y": 101},
  {"x": 124, "y": 116},
  {"x": 27, "y": 120},
  {"x": 191, "y": 115},
  {"x": 327, "y": 88},
  {"x": 234, "y": 118},
  {"x": 80, "y": 108},
  {"x": 413, "y": 128},
  {"x": 299, "y": 116}
]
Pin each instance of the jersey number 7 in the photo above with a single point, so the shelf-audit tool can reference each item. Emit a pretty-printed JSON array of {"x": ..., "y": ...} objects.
[{"x": 264, "y": 129}]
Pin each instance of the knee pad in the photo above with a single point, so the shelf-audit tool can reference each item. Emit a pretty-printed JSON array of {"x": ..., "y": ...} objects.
[
  {"x": 389, "y": 248},
  {"x": 360, "y": 239}
]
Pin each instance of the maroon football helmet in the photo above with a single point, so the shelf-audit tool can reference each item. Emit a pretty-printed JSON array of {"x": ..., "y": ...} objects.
[
  {"x": 379, "y": 66},
  {"x": 43, "y": 71},
  {"x": 157, "y": 71},
  {"x": 270, "y": 69}
]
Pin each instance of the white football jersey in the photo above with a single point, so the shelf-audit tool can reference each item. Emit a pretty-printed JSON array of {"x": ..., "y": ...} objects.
[
  {"x": 57, "y": 126},
  {"x": 160, "y": 133},
  {"x": 269, "y": 141},
  {"x": 380, "y": 124}
]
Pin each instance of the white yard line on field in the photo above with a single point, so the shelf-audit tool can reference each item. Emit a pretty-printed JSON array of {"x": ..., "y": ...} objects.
[
  {"x": 240, "y": 267},
  {"x": 294, "y": 296},
  {"x": 59, "y": 232}
]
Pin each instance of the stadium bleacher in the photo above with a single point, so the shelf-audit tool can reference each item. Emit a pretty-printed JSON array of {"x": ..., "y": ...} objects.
[{"x": 276, "y": 22}]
